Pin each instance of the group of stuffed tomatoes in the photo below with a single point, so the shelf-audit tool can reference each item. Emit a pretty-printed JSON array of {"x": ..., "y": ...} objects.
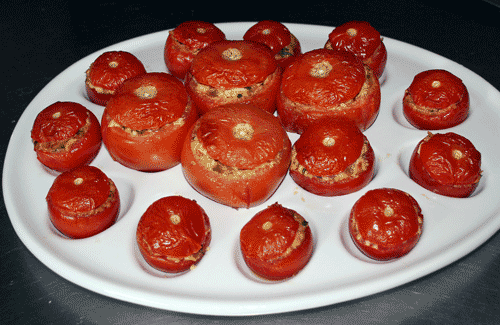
[{"x": 223, "y": 112}]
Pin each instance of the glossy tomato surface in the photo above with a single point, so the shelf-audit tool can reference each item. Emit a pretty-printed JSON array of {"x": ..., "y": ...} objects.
[
  {"x": 66, "y": 135},
  {"x": 83, "y": 202},
  {"x": 236, "y": 155},
  {"x": 276, "y": 243},
  {"x": 107, "y": 73},
  {"x": 145, "y": 123},
  {"x": 386, "y": 223},
  {"x": 447, "y": 164},
  {"x": 332, "y": 157},
  {"x": 185, "y": 41},
  {"x": 327, "y": 83},
  {"x": 173, "y": 234},
  {"x": 435, "y": 100}
]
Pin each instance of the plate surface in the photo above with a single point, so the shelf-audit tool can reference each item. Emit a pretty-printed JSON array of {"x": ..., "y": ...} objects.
[{"x": 110, "y": 263}]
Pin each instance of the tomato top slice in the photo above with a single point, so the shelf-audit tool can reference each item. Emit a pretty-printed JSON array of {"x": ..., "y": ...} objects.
[
  {"x": 148, "y": 101},
  {"x": 323, "y": 78},
  {"x": 231, "y": 64},
  {"x": 272, "y": 33},
  {"x": 196, "y": 34},
  {"x": 358, "y": 37}
]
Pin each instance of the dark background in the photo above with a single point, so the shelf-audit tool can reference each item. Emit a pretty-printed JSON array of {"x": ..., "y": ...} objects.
[{"x": 41, "y": 39}]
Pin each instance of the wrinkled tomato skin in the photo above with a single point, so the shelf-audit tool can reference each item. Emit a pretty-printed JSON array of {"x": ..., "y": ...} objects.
[
  {"x": 264, "y": 250},
  {"x": 73, "y": 118},
  {"x": 169, "y": 246},
  {"x": 185, "y": 41},
  {"x": 85, "y": 209},
  {"x": 107, "y": 73},
  {"x": 437, "y": 107},
  {"x": 161, "y": 123},
  {"x": 434, "y": 167},
  {"x": 386, "y": 223}
]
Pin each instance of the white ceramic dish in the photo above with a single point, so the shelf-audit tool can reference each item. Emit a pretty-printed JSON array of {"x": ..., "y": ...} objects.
[{"x": 110, "y": 263}]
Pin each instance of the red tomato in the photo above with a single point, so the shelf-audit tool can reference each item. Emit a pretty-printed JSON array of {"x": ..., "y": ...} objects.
[
  {"x": 327, "y": 83},
  {"x": 108, "y": 72},
  {"x": 145, "y": 123},
  {"x": 83, "y": 202},
  {"x": 173, "y": 234},
  {"x": 332, "y": 157},
  {"x": 185, "y": 41},
  {"x": 66, "y": 135},
  {"x": 227, "y": 72},
  {"x": 236, "y": 155},
  {"x": 436, "y": 99},
  {"x": 447, "y": 164},
  {"x": 276, "y": 243},
  {"x": 283, "y": 44},
  {"x": 360, "y": 38},
  {"x": 386, "y": 223}
]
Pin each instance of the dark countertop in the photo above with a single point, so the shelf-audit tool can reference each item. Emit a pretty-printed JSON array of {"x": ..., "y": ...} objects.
[{"x": 41, "y": 40}]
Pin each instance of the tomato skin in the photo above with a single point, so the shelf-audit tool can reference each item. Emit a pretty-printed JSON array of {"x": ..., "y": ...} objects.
[
  {"x": 143, "y": 131},
  {"x": 360, "y": 38},
  {"x": 240, "y": 173},
  {"x": 437, "y": 166},
  {"x": 386, "y": 223},
  {"x": 185, "y": 41},
  {"x": 107, "y": 73},
  {"x": 276, "y": 243},
  {"x": 70, "y": 140},
  {"x": 331, "y": 169},
  {"x": 173, "y": 234},
  {"x": 327, "y": 83},
  {"x": 435, "y": 100},
  {"x": 83, "y": 202}
]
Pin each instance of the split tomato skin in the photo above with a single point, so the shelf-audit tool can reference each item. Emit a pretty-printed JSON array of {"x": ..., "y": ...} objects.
[
  {"x": 83, "y": 202},
  {"x": 447, "y": 164},
  {"x": 276, "y": 243},
  {"x": 173, "y": 234},
  {"x": 385, "y": 223},
  {"x": 66, "y": 135}
]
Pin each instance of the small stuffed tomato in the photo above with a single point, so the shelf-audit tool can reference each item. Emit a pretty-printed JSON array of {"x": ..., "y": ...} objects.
[
  {"x": 66, "y": 135},
  {"x": 327, "y": 83},
  {"x": 227, "y": 72},
  {"x": 83, "y": 202},
  {"x": 284, "y": 45},
  {"x": 185, "y": 41},
  {"x": 386, "y": 223},
  {"x": 435, "y": 100},
  {"x": 173, "y": 234},
  {"x": 108, "y": 72},
  {"x": 276, "y": 243},
  {"x": 363, "y": 40},
  {"x": 332, "y": 157},
  {"x": 236, "y": 155},
  {"x": 145, "y": 123},
  {"x": 447, "y": 164}
]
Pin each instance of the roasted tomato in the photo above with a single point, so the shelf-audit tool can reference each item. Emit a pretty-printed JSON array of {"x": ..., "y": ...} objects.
[
  {"x": 447, "y": 164},
  {"x": 435, "y": 100},
  {"x": 363, "y": 40},
  {"x": 228, "y": 72},
  {"x": 185, "y": 41},
  {"x": 327, "y": 83},
  {"x": 236, "y": 155},
  {"x": 332, "y": 157},
  {"x": 284, "y": 45},
  {"x": 66, "y": 135},
  {"x": 108, "y": 72},
  {"x": 173, "y": 234},
  {"x": 83, "y": 202},
  {"x": 386, "y": 223},
  {"x": 276, "y": 243},
  {"x": 145, "y": 123}
]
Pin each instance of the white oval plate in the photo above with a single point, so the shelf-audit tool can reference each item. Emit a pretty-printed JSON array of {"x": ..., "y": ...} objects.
[{"x": 110, "y": 264}]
